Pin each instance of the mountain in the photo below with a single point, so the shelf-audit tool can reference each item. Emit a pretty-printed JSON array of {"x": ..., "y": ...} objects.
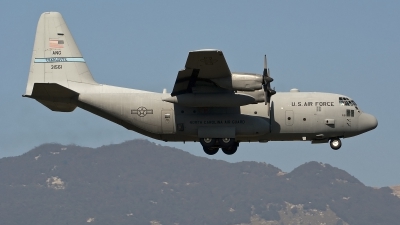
[
  {"x": 396, "y": 190},
  {"x": 139, "y": 182}
]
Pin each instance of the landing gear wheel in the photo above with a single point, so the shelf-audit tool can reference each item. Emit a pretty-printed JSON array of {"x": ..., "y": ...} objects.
[
  {"x": 210, "y": 150},
  {"x": 207, "y": 142},
  {"x": 209, "y": 145},
  {"x": 230, "y": 150},
  {"x": 335, "y": 143},
  {"x": 226, "y": 142}
]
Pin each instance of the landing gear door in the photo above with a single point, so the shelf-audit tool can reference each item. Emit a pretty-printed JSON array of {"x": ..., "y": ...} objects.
[{"x": 167, "y": 121}]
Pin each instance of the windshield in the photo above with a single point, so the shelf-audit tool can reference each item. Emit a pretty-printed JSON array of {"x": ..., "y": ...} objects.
[{"x": 343, "y": 101}]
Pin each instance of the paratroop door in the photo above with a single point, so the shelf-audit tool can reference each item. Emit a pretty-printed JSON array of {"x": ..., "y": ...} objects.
[{"x": 167, "y": 121}]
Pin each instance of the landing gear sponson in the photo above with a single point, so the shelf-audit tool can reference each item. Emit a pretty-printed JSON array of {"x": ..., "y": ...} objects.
[
  {"x": 229, "y": 146},
  {"x": 212, "y": 145}
]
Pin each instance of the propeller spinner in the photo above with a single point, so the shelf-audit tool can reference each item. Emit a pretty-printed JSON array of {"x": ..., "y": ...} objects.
[{"x": 266, "y": 83}]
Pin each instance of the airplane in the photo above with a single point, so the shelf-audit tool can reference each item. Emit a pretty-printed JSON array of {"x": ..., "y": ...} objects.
[{"x": 208, "y": 104}]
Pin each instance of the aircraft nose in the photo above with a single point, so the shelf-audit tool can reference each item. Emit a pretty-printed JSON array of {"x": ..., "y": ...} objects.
[{"x": 367, "y": 122}]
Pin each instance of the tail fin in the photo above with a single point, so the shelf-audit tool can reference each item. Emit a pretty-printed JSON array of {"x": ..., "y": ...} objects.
[{"x": 56, "y": 58}]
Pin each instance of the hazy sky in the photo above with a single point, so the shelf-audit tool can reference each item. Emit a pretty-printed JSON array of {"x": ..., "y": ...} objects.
[{"x": 351, "y": 48}]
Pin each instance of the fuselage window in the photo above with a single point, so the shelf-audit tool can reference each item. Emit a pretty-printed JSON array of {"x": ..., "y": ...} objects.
[{"x": 349, "y": 112}]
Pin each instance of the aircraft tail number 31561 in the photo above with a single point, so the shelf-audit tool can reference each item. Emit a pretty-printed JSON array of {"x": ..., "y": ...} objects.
[{"x": 208, "y": 103}]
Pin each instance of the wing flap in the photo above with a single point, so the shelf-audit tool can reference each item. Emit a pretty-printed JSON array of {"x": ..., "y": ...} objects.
[{"x": 185, "y": 81}]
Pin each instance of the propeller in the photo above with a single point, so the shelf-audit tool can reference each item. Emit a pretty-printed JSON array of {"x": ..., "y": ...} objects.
[{"x": 266, "y": 83}]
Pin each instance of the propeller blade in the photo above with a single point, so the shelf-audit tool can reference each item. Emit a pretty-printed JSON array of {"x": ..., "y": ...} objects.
[
  {"x": 268, "y": 99},
  {"x": 265, "y": 72},
  {"x": 266, "y": 83},
  {"x": 265, "y": 94},
  {"x": 265, "y": 62}
]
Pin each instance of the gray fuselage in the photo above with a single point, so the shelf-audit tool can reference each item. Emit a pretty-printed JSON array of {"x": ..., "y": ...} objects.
[{"x": 293, "y": 116}]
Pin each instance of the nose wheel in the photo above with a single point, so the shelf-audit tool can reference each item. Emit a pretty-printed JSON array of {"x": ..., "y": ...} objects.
[
  {"x": 211, "y": 145},
  {"x": 335, "y": 143}
]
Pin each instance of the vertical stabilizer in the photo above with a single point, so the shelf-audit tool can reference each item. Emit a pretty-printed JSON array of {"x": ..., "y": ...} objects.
[{"x": 56, "y": 58}]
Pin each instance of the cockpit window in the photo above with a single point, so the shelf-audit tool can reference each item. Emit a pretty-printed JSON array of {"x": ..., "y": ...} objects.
[{"x": 347, "y": 102}]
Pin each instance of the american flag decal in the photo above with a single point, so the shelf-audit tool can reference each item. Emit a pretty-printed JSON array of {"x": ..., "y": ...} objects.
[{"x": 55, "y": 43}]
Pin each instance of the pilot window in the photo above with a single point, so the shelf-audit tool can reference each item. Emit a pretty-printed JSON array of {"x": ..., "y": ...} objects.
[{"x": 343, "y": 101}]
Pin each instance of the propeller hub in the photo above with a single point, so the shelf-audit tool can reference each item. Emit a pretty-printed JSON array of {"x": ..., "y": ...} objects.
[{"x": 267, "y": 79}]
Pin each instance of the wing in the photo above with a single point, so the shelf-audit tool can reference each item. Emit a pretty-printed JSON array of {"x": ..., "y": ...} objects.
[
  {"x": 202, "y": 68},
  {"x": 207, "y": 81}
]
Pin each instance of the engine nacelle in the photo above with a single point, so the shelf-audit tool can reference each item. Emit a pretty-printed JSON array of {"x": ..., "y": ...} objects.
[
  {"x": 257, "y": 95},
  {"x": 241, "y": 82}
]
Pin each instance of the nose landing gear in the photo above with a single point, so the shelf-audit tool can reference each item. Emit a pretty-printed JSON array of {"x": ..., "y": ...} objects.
[
  {"x": 335, "y": 143},
  {"x": 212, "y": 145}
]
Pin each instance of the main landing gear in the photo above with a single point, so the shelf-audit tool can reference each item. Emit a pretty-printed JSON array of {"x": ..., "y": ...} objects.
[
  {"x": 212, "y": 145},
  {"x": 335, "y": 143}
]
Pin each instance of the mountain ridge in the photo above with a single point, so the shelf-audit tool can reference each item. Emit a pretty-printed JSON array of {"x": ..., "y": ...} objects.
[{"x": 138, "y": 182}]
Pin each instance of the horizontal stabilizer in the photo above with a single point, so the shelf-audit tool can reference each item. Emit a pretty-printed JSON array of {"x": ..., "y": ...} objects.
[
  {"x": 54, "y": 96},
  {"x": 41, "y": 90}
]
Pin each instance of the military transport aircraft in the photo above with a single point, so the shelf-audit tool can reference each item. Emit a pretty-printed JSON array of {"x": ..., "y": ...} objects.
[{"x": 209, "y": 103}]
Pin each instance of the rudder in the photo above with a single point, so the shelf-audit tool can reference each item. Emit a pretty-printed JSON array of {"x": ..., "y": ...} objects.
[{"x": 56, "y": 58}]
